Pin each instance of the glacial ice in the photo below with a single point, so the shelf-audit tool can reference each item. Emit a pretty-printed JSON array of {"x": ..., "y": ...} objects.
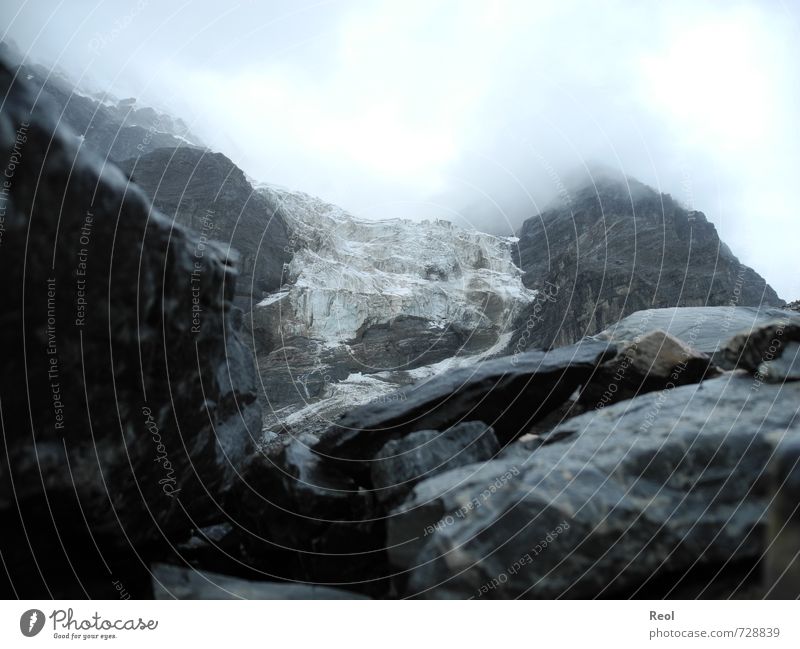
[{"x": 348, "y": 274}]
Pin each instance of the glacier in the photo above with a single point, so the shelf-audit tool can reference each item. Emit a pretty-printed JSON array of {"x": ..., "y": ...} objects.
[
  {"x": 457, "y": 292},
  {"x": 351, "y": 273}
]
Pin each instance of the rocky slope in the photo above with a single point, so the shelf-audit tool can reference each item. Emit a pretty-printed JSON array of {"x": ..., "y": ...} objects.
[{"x": 617, "y": 247}]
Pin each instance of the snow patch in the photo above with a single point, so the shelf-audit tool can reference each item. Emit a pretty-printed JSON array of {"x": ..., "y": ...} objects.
[{"x": 273, "y": 297}]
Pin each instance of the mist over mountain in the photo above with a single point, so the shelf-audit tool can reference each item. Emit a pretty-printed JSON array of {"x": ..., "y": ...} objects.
[{"x": 469, "y": 111}]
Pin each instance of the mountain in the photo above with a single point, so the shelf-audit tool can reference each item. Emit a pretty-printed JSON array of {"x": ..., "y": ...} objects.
[
  {"x": 633, "y": 464},
  {"x": 209, "y": 193},
  {"x": 616, "y": 247}
]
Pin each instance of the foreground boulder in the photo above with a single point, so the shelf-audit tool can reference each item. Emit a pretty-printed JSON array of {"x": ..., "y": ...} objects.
[
  {"x": 782, "y": 564},
  {"x": 634, "y": 493},
  {"x": 655, "y": 361},
  {"x": 706, "y": 329},
  {"x": 304, "y": 519},
  {"x": 403, "y": 462},
  {"x": 128, "y": 397},
  {"x": 173, "y": 582},
  {"x": 509, "y": 394},
  {"x": 766, "y": 344},
  {"x": 324, "y": 503}
]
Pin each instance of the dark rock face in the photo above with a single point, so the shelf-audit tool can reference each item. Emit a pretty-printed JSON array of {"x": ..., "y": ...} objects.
[
  {"x": 617, "y": 249},
  {"x": 173, "y": 582},
  {"x": 297, "y": 370},
  {"x": 305, "y": 382},
  {"x": 404, "y": 462},
  {"x": 509, "y": 394},
  {"x": 207, "y": 192},
  {"x": 128, "y": 396},
  {"x": 655, "y": 486}
]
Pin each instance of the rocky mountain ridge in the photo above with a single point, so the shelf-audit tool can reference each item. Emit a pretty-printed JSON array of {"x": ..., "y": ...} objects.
[
  {"x": 114, "y": 129},
  {"x": 616, "y": 247}
]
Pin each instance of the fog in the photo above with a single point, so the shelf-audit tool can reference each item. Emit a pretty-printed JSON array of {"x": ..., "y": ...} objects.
[{"x": 475, "y": 111}]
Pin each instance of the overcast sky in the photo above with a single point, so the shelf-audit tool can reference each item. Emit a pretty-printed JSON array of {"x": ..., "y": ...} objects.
[{"x": 468, "y": 109}]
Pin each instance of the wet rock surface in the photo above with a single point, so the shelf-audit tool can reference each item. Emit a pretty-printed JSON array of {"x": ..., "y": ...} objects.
[
  {"x": 306, "y": 520},
  {"x": 654, "y": 361},
  {"x": 782, "y": 562},
  {"x": 764, "y": 345},
  {"x": 133, "y": 411},
  {"x": 173, "y": 582},
  {"x": 403, "y": 462},
  {"x": 706, "y": 329},
  {"x": 647, "y": 487},
  {"x": 509, "y": 394}
]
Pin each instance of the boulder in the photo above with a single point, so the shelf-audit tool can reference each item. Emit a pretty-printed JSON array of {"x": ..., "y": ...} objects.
[
  {"x": 128, "y": 395},
  {"x": 298, "y": 504},
  {"x": 305, "y": 519},
  {"x": 764, "y": 344},
  {"x": 509, "y": 394},
  {"x": 634, "y": 494},
  {"x": 174, "y": 582},
  {"x": 706, "y": 329},
  {"x": 782, "y": 562},
  {"x": 654, "y": 361},
  {"x": 403, "y": 462}
]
